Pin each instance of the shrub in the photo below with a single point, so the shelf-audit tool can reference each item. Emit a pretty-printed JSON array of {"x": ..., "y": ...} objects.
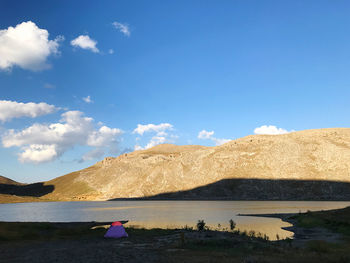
[
  {"x": 251, "y": 233},
  {"x": 200, "y": 225},
  {"x": 232, "y": 224},
  {"x": 188, "y": 228}
]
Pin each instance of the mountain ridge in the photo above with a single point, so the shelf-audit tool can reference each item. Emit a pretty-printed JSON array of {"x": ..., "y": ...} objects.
[
  {"x": 5, "y": 180},
  {"x": 310, "y": 155}
]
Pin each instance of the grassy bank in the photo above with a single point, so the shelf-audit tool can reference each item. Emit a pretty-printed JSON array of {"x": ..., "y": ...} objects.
[
  {"x": 10, "y": 199},
  {"x": 335, "y": 220}
]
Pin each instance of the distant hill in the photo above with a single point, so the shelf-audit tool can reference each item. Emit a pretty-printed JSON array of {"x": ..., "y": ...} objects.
[
  {"x": 5, "y": 180},
  {"x": 14, "y": 192},
  {"x": 310, "y": 164}
]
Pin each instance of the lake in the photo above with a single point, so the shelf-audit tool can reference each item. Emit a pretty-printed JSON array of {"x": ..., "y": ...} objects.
[{"x": 168, "y": 214}]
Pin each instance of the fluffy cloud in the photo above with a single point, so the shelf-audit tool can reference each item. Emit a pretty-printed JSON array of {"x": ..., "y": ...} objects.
[
  {"x": 103, "y": 136},
  {"x": 270, "y": 129},
  {"x": 155, "y": 141},
  {"x": 124, "y": 28},
  {"x": 87, "y": 99},
  {"x": 141, "y": 129},
  {"x": 47, "y": 142},
  {"x": 161, "y": 135},
  {"x": 85, "y": 42},
  {"x": 26, "y": 46},
  {"x": 12, "y": 109},
  {"x": 37, "y": 153},
  {"x": 208, "y": 135},
  {"x": 205, "y": 134}
]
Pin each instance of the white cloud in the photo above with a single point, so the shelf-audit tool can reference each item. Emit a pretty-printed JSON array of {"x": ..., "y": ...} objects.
[
  {"x": 208, "y": 135},
  {"x": 47, "y": 142},
  {"x": 111, "y": 51},
  {"x": 141, "y": 129},
  {"x": 161, "y": 135},
  {"x": 103, "y": 136},
  {"x": 27, "y": 46},
  {"x": 205, "y": 134},
  {"x": 85, "y": 42},
  {"x": 270, "y": 129},
  {"x": 124, "y": 28},
  {"x": 36, "y": 153},
  {"x": 87, "y": 99},
  {"x": 155, "y": 141},
  {"x": 12, "y": 109}
]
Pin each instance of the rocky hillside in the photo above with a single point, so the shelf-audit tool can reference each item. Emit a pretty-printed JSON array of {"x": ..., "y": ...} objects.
[{"x": 311, "y": 164}]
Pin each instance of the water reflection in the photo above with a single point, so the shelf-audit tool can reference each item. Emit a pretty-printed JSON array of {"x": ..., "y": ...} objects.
[
  {"x": 168, "y": 214},
  {"x": 269, "y": 226}
]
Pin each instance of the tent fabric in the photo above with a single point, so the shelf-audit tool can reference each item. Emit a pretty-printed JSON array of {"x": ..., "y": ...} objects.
[
  {"x": 116, "y": 231},
  {"x": 116, "y": 223}
]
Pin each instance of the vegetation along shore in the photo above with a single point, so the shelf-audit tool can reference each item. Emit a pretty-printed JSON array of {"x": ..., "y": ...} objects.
[{"x": 322, "y": 236}]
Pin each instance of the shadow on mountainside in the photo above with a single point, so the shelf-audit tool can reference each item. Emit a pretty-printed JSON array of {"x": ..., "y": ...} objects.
[
  {"x": 35, "y": 190},
  {"x": 259, "y": 189}
]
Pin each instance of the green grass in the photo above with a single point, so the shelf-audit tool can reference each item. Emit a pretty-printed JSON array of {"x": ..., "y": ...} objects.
[
  {"x": 46, "y": 231},
  {"x": 15, "y": 231},
  {"x": 334, "y": 220}
]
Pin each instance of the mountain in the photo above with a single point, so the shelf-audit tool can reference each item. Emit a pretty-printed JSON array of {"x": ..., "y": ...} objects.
[
  {"x": 8, "y": 181},
  {"x": 15, "y": 192},
  {"x": 310, "y": 164}
]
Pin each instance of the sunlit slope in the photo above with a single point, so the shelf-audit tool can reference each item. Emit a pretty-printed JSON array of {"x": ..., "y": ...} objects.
[
  {"x": 5, "y": 197},
  {"x": 322, "y": 154},
  {"x": 5, "y": 180}
]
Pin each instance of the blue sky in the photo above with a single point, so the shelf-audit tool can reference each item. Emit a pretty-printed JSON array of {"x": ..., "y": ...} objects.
[{"x": 183, "y": 72}]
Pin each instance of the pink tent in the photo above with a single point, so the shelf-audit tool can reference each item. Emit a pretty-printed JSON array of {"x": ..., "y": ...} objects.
[{"x": 116, "y": 230}]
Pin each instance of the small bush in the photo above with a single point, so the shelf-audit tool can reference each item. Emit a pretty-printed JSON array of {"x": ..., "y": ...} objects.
[
  {"x": 251, "y": 233},
  {"x": 232, "y": 224},
  {"x": 188, "y": 228},
  {"x": 259, "y": 235},
  {"x": 200, "y": 225}
]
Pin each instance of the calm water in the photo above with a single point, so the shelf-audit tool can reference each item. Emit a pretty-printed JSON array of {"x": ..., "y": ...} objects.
[{"x": 168, "y": 214}]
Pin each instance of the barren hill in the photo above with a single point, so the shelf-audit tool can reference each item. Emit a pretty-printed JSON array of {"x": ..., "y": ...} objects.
[
  {"x": 15, "y": 192},
  {"x": 310, "y": 164},
  {"x": 8, "y": 181}
]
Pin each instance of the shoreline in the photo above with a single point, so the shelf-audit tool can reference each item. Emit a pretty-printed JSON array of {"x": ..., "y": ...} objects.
[
  {"x": 84, "y": 242},
  {"x": 26, "y": 199},
  {"x": 303, "y": 234}
]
